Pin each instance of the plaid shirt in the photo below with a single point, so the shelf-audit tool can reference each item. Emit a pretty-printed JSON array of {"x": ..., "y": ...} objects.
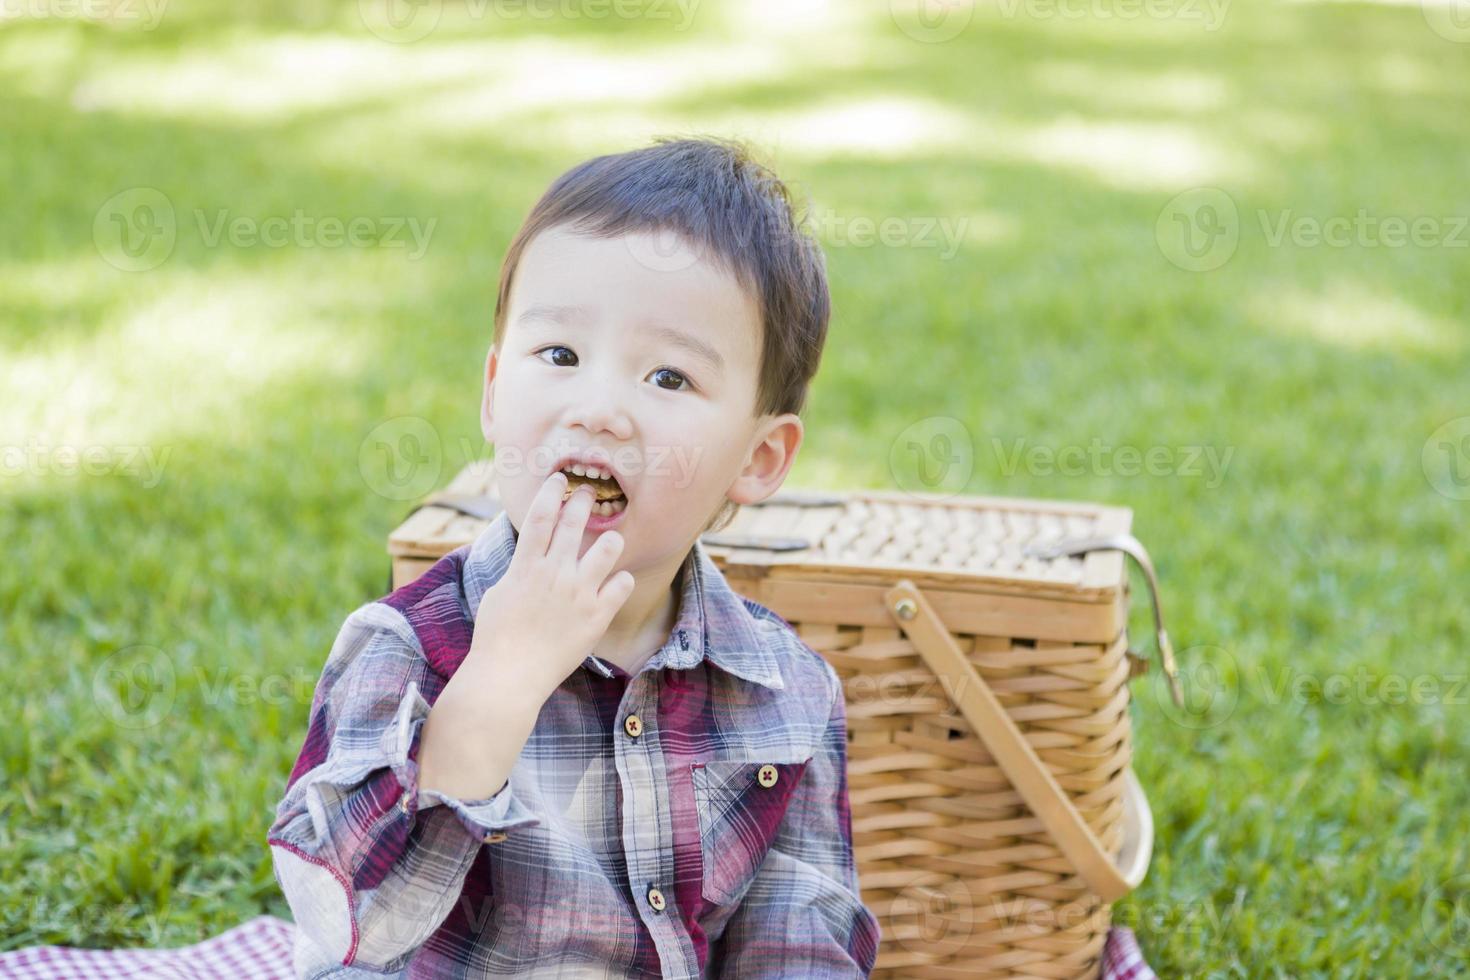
[{"x": 691, "y": 820}]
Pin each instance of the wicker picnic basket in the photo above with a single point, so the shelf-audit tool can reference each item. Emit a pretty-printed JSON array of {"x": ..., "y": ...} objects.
[{"x": 983, "y": 648}]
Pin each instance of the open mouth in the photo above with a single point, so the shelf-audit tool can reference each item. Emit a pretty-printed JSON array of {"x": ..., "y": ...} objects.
[{"x": 610, "y": 498}]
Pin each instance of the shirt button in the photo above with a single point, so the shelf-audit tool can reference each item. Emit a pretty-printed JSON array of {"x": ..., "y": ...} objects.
[
  {"x": 494, "y": 838},
  {"x": 767, "y": 776},
  {"x": 656, "y": 899},
  {"x": 633, "y": 725}
]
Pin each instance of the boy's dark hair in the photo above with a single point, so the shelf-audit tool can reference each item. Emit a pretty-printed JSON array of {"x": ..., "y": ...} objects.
[{"x": 731, "y": 209}]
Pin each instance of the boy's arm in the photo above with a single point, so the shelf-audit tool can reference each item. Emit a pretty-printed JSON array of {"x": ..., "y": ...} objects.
[
  {"x": 368, "y": 862},
  {"x": 803, "y": 914}
]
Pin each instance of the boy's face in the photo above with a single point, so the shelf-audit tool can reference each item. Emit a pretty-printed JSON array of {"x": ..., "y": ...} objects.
[{"x": 610, "y": 346}]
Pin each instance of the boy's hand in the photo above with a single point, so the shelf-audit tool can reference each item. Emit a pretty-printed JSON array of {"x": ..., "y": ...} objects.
[{"x": 549, "y": 609}]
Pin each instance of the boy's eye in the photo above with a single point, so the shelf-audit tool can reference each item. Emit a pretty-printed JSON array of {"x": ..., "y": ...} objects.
[
  {"x": 557, "y": 347},
  {"x": 669, "y": 371},
  {"x": 680, "y": 381}
]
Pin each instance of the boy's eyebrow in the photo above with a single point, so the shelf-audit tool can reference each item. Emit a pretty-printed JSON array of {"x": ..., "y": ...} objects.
[
  {"x": 564, "y": 315},
  {"x": 551, "y": 313},
  {"x": 687, "y": 342}
]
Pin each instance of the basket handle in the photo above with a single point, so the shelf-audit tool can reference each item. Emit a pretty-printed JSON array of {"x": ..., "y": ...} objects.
[
  {"x": 978, "y": 703},
  {"x": 1133, "y": 548}
]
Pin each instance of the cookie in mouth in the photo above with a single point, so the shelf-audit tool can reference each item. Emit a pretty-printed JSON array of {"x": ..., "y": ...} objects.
[{"x": 606, "y": 490}]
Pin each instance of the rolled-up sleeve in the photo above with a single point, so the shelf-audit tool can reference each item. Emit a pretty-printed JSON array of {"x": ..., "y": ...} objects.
[
  {"x": 370, "y": 864},
  {"x": 804, "y": 915}
]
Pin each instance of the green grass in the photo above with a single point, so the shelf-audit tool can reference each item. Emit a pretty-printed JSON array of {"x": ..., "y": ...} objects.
[{"x": 1297, "y": 835}]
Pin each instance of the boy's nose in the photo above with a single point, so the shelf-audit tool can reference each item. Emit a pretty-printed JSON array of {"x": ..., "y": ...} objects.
[{"x": 600, "y": 411}]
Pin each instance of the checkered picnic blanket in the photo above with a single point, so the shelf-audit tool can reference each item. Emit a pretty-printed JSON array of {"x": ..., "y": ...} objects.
[
  {"x": 261, "y": 950},
  {"x": 258, "y": 950}
]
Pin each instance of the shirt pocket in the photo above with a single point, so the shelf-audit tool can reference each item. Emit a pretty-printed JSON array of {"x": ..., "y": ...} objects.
[{"x": 740, "y": 805}]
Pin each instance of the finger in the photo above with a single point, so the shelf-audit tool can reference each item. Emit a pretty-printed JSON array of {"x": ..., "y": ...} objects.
[
  {"x": 541, "y": 516},
  {"x": 600, "y": 558},
  {"x": 616, "y": 592},
  {"x": 566, "y": 537}
]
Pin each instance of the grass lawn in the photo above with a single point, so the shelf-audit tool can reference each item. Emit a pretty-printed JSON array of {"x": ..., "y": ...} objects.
[{"x": 167, "y": 601}]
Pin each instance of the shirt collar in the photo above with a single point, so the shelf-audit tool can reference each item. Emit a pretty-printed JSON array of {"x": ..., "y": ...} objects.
[{"x": 713, "y": 621}]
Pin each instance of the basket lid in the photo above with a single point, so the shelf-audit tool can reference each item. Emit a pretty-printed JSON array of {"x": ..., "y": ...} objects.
[
  {"x": 961, "y": 542},
  {"x": 953, "y": 541}
]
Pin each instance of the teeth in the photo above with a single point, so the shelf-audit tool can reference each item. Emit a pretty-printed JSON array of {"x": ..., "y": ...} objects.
[
  {"x": 591, "y": 471},
  {"x": 609, "y": 508}
]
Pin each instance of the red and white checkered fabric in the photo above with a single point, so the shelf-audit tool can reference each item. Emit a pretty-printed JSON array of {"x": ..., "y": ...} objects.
[
  {"x": 1122, "y": 959},
  {"x": 258, "y": 950},
  {"x": 261, "y": 950}
]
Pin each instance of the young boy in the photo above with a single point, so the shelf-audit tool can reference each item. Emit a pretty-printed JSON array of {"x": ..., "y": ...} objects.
[{"x": 570, "y": 749}]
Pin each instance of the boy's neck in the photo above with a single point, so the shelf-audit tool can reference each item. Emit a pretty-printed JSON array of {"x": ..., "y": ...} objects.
[{"x": 645, "y": 621}]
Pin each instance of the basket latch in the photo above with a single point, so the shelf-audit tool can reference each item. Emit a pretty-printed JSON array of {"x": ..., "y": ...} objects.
[{"x": 1134, "y": 549}]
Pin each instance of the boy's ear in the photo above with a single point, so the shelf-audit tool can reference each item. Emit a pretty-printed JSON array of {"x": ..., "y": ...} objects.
[
  {"x": 487, "y": 419},
  {"x": 773, "y": 452}
]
